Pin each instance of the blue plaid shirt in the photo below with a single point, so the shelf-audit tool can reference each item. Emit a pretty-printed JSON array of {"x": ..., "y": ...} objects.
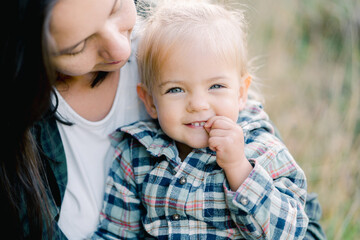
[{"x": 150, "y": 193}]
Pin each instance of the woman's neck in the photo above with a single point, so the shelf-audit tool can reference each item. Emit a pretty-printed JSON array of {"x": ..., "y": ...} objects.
[
  {"x": 64, "y": 83},
  {"x": 91, "y": 103}
]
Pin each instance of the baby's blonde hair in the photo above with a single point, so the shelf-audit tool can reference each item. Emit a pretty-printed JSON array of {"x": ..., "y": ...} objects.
[{"x": 178, "y": 23}]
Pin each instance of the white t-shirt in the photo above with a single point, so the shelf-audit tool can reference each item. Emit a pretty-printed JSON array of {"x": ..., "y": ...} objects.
[{"x": 89, "y": 154}]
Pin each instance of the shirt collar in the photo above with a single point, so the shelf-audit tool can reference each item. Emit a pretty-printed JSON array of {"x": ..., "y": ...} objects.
[
  {"x": 149, "y": 134},
  {"x": 156, "y": 142}
]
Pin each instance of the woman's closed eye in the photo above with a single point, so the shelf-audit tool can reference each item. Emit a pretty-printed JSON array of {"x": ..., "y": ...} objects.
[
  {"x": 75, "y": 50},
  {"x": 78, "y": 50}
]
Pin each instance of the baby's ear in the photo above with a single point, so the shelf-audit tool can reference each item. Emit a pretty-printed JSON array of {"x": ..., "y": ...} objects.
[
  {"x": 246, "y": 82},
  {"x": 147, "y": 99}
]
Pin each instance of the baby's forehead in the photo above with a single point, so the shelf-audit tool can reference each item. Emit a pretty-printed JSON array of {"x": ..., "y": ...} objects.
[
  {"x": 214, "y": 32},
  {"x": 196, "y": 49},
  {"x": 209, "y": 72}
]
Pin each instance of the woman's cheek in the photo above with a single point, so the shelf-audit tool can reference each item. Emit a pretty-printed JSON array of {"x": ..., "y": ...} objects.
[{"x": 73, "y": 65}]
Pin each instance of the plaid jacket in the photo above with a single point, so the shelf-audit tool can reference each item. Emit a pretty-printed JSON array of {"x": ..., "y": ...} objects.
[{"x": 151, "y": 193}]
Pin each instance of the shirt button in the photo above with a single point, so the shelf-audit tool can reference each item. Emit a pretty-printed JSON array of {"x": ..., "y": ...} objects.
[
  {"x": 182, "y": 180},
  {"x": 244, "y": 201},
  {"x": 176, "y": 217}
]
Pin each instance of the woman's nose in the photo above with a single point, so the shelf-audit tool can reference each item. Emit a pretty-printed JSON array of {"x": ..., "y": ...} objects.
[
  {"x": 115, "y": 44},
  {"x": 197, "y": 102}
]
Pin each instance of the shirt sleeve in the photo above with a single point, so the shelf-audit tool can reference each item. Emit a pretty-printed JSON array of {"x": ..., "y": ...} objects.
[
  {"x": 270, "y": 203},
  {"x": 120, "y": 217}
]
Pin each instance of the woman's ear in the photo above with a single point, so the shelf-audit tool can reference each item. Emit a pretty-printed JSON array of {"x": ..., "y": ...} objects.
[
  {"x": 246, "y": 82},
  {"x": 147, "y": 99}
]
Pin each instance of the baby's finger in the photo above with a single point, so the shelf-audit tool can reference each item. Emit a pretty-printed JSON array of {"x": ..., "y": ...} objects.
[
  {"x": 216, "y": 143},
  {"x": 225, "y": 124},
  {"x": 219, "y": 132},
  {"x": 219, "y": 122},
  {"x": 210, "y": 122},
  {"x": 213, "y": 143}
]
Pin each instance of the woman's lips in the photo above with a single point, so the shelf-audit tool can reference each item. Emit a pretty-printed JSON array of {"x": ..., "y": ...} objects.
[{"x": 115, "y": 62}]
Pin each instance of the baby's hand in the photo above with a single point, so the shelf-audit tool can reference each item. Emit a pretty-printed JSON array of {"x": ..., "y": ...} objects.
[{"x": 227, "y": 139}]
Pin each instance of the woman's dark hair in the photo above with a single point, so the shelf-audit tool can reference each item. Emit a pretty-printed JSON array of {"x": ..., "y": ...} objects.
[{"x": 27, "y": 78}]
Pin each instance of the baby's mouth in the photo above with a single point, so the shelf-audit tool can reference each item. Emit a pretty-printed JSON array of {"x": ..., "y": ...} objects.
[{"x": 197, "y": 124}]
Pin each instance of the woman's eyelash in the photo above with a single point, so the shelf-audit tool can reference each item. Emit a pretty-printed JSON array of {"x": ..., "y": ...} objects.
[
  {"x": 78, "y": 52},
  {"x": 74, "y": 53}
]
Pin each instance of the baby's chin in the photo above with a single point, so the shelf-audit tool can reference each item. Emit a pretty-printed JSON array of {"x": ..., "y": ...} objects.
[
  {"x": 188, "y": 146},
  {"x": 199, "y": 145}
]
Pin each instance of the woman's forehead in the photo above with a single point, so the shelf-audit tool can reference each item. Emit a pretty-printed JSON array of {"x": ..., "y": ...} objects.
[{"x": 74, "y": 20}]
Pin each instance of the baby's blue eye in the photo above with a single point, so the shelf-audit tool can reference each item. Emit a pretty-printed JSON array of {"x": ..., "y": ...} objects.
[
  {"x": 216, "y": 86},
  {"x": 174, "y": 90}
]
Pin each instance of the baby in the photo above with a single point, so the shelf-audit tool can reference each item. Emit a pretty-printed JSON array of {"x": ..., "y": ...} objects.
[{"x": 208, "y": 166}]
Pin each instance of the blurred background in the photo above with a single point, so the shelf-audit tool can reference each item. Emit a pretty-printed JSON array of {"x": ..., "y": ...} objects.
[{"x": 308, "y": 58}]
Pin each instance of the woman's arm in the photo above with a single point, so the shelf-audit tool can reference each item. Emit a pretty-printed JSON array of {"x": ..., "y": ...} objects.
[{"x": 120, "y": 217}]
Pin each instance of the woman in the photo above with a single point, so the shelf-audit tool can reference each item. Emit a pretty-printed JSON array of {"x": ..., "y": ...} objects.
[
  {"x": 88, "y": 53},
  {"x": 82, "y": 47},
  {"x": 86, "y": 42}
]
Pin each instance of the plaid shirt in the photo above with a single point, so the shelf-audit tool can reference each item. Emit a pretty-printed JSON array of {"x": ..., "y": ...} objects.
[{"x": 151, "y": 193}]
